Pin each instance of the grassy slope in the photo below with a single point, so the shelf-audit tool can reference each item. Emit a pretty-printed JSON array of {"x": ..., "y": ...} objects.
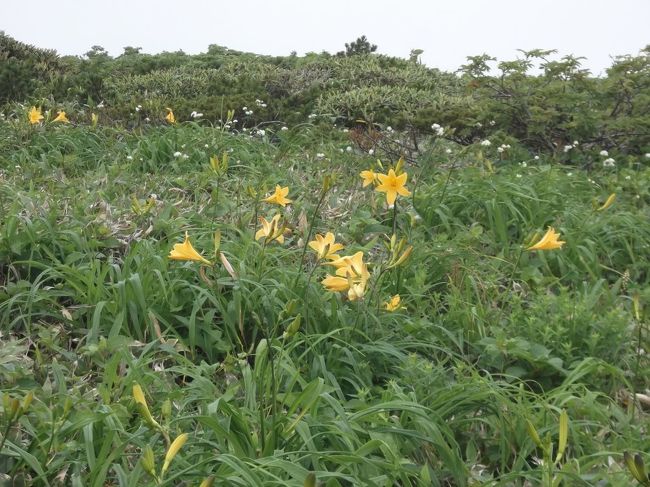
[{"x": 437, "y": 393}]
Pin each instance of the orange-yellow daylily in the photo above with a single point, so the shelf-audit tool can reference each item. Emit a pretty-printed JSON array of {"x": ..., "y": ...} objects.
[
  {"x": 392, "y": 185},
  {"x": 61, "y": 117},
  {"x": 279, "y": 197},
  {"x": 548, "y": 242},
  {"x": 351, "y": 275},
  {"x": 393, "y": 304},
  {"x": 170, "y": 116},
  {"x": 35, "y": 115},
  {"x": 369, "y": 176},
  {"x": 325, "y": 247},
  {"x": 271, "y": 230},
  {"x": 185, "y": 251},
  {"x": 176, "y": 445}
]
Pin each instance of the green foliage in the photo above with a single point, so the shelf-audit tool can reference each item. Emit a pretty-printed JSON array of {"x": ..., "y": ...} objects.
[{"x": 500, "y": 366}]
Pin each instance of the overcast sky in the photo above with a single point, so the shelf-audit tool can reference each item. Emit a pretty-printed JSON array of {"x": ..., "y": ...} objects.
[{"x": 447, "y": 30}]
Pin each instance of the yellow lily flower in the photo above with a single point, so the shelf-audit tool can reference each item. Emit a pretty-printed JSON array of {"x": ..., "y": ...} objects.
[
  {"x": 393, "y": 304},
  {"x": 185, "y": 251},
  {"x": 270, "y": 230},
  {"x": 94, "y": 118},
  {"x": 61, "y": 117},
  {"x": 548, "y": 242},
  {"x": 35, "y": 115},
  {"x": 368, "y": 176},
  {"x": 170, "y": 116},
  {"x": 392, "y": 185},
  {"x": 609, "y": 202},
  {"x": 325, "y": 247},
  {"x": 174, "y": 448},
  {"x": 279, "y": 197},
  {"x": 351, "y": 275},
  {"x": 140, "y": 400}
]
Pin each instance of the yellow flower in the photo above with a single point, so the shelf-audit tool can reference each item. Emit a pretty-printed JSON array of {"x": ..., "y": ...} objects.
[
  {"x": 140, "y": 400},
  {"x": 609, "y": 202},
  {"x": 392, "y": 185},
  {"x": 279, "y": 197},
  {"x": 325, "y": 247},
  {"x": 185, "y": 251},
  {"x": 351, "y": 275},
  {"x": 94, "y": 118},
  {"x": 270, "y": 230},
  {"x": 170, "y": 116},
  {"x": 35, "y": 115},
  {"x": 176, "y": 445},
  {"x": 61, "y": 117},
  {"x": 393, "y": 304},
  {"x": 368, "y": 176},
  {"x": 548, "y": 242}
]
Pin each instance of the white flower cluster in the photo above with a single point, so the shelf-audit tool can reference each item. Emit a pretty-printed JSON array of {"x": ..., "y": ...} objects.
[
  {"x": 389, "y": 129},
  {"x": 138, "y": 108},
  {"x": 439, "y": 131},
  {"x": 320, "y": 155},
  {"x": 567, "y": 148},
  {"x": 196, "y": 114},
  {"x": 371, "y": 151},
  {"x": 284, "y": 128},
  {"x": 181, "y": 155},
  {"x": 486, "y": 143},
  {"x": 260, "y": 103},
  {"x": 647, "y": 156},
  {"x": 312, "y": 116},
  {"x": 247, "y": 111},
  {"x": 609, "y": 162},
  {"x": 604, "y": 153},
  {"x": 502, "y": 148},
  {"x": 492, "y": 123}
]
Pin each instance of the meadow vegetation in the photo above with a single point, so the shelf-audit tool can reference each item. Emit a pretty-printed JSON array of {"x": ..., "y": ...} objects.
[{"x": 336, "y": 270}]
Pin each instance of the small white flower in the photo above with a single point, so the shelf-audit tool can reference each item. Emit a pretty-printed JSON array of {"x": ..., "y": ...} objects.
[
  {"x": 576, "y": 143},
  {"x": 567, "y": 148},
  {"x": 604, "y": 153},
  {"x": 129, "y": 158},
  {"x": 518, "y": 175},
  {"x": 492, "y": 123},
  {"x": 235, "y": 120},
  {"x": 245, "y": 108},
  {"x": 500, "y": 149},
  {"x": 178, "y": 154},
  {"x": 185, "y": 156},
  {"x": 435, "y": 126},
  {"x": 261, "y": 132},
  {"x": 371, "y": 151},
  {"x": 569, "y": 174},
  {"x": 536, "y": 158},
  {"x": 609, "y": 162},
  {"x": 647, "y": 156},
  {"x": 206, "y": 146},
  {"x": 183, "y": 146},
  {"x": 628, "y": 177},
  {"x": 147, "y": 119},
  {"x": 101, "y": 104},
  {"x": 448, "y": 151},
  {"x": 313, "y": 115},
  {"x": 138, "y": 108},
  {"x": 284, "y": 129},
  {"x": 478, "y": 124},
  {"x": 389, "y": 129},
  {"x": 345, "y": 131},
  {"x": 320, "y": 155},
  {"x": 348, "y": 149},
  {"x": 196, "y": 115},
  {"x": 523, "y": 164},
  {"x": 486, "y": 143}
]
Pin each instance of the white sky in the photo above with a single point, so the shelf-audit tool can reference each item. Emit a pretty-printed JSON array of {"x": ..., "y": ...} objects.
[{"x": 447, "y": 30}]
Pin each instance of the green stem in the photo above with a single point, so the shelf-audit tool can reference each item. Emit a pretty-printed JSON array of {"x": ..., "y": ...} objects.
[{"x": 309, "y": 234}]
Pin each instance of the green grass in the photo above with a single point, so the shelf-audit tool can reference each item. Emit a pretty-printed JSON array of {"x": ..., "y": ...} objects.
[{"x": 436, "y": 393}]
